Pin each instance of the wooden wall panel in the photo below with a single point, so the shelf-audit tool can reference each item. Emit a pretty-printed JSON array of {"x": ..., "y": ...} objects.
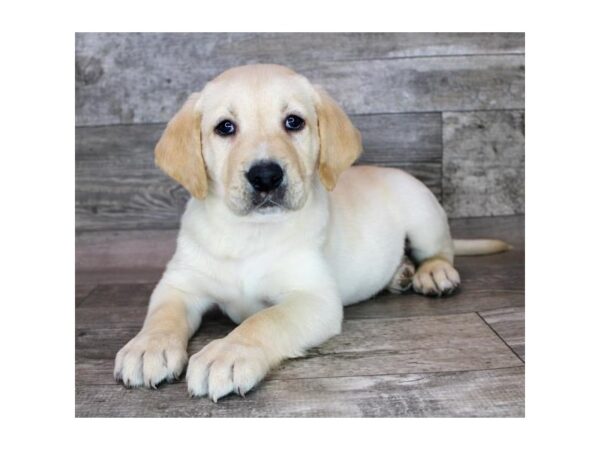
[
  {"x": 404, "y": 91},
  {"x": 132, "y": 78},
  {"x": 484, "y": 163}
]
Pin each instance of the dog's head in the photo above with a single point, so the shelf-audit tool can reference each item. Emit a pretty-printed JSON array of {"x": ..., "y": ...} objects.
[{"x": 257, "y": 136}]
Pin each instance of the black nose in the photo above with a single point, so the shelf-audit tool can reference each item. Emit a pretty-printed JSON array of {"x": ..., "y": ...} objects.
[{"x": 265, "y": 176}]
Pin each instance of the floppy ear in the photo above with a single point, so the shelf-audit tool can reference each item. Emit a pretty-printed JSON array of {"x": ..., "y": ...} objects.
[
  {"x": 179, "y": 150},
  {"x": 340, "y": 142}
]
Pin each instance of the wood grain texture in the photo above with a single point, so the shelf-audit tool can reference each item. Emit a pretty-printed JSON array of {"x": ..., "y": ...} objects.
[
  {"x": 484, "y": 163},
  {"x": 112, "y": 296},
  {"x": 144, "y": 78},
  {"x": 366, "y": 347},
  {"x": 488, "y": 393},
  {"x": 82, "y": 291},
  {"x": 397, "y": 355},
  {"x": 509, "y": 323},
  {"x": 474, "y": 297},
  {"x": 139, "y": 78},
  {"x": 430, "y": 84},
  {"x": 118, "y": 186},
  {"x": 122, "y": 251},
  {"x": 411, "y": 304}
]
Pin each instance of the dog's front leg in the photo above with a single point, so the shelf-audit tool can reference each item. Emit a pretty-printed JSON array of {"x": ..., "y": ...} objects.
[
  {"x": 159, "y": 351},
  {"x": 239, "y": 361}
]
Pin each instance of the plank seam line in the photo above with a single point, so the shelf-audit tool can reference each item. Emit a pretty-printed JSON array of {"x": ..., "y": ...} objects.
[
  {"x": 450, "y": 372},
  {"x": 502, "y": 307},
  {"x": 386, "y": 318},
  {"x": 500, "y": 337},
  {"x": 418, "y": 316},
  {"x": 436, "y": 372},
  {"x": 379, "y": 113},
  {"x": 430, "y": 56},
  {"x": 85, "y": 297},
  {"x": 479, "y": 291}
]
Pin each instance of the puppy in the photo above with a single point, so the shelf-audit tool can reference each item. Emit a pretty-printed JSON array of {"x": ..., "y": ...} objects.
[{"x": 280, "y": 232}]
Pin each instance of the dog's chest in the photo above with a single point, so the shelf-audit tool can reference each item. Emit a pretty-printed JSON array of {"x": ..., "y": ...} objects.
[
  {"x": 243, "y": 267},
  {"x": 237, "y": 286}
]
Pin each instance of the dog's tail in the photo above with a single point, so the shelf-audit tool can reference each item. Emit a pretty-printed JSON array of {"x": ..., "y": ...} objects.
[{"x": 472, "y": 247}]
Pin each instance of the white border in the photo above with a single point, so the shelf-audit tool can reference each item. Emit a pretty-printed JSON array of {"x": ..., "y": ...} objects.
[{"x": 38, "y": 221}]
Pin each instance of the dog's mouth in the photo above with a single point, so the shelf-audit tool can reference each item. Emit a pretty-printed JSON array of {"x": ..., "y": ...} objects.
[
  {"x": 266, "y": 203},
  {"x": 285, "y": 198}
]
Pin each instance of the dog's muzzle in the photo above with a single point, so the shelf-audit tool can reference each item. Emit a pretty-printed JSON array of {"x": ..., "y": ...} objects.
[{"x": 268, "y": 187}]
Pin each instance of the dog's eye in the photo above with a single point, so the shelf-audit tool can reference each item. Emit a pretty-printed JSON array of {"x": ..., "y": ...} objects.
[
  {"x": 293, "y": 123},
  {"x": 225, "y": 128}
]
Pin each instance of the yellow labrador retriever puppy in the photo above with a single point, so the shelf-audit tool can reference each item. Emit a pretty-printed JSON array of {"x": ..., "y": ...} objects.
[{"x": 280, "y": 232}]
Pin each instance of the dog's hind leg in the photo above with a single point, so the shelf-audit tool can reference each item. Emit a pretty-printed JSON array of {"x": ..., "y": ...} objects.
[
  {"x": 403, "y": 278},
  {"x": 432, "y": 249}
]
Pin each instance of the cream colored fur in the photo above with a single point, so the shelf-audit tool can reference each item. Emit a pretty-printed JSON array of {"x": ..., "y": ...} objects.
[{"x": 283, "y": 275}]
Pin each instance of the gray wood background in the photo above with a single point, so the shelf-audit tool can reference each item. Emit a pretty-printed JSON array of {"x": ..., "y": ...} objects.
[{"x": 448, "y": 108}]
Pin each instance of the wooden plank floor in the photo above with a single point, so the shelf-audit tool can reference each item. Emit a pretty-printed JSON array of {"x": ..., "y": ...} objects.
[{"x": 398, "y": 356}]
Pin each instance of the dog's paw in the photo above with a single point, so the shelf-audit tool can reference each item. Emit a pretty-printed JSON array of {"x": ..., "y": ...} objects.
[
  {"x": 149, "y": 359},
  {"x": 436, "y": 277},
  {"x": 226, "y": 366},
  {"x": 403, "y": 278}
]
